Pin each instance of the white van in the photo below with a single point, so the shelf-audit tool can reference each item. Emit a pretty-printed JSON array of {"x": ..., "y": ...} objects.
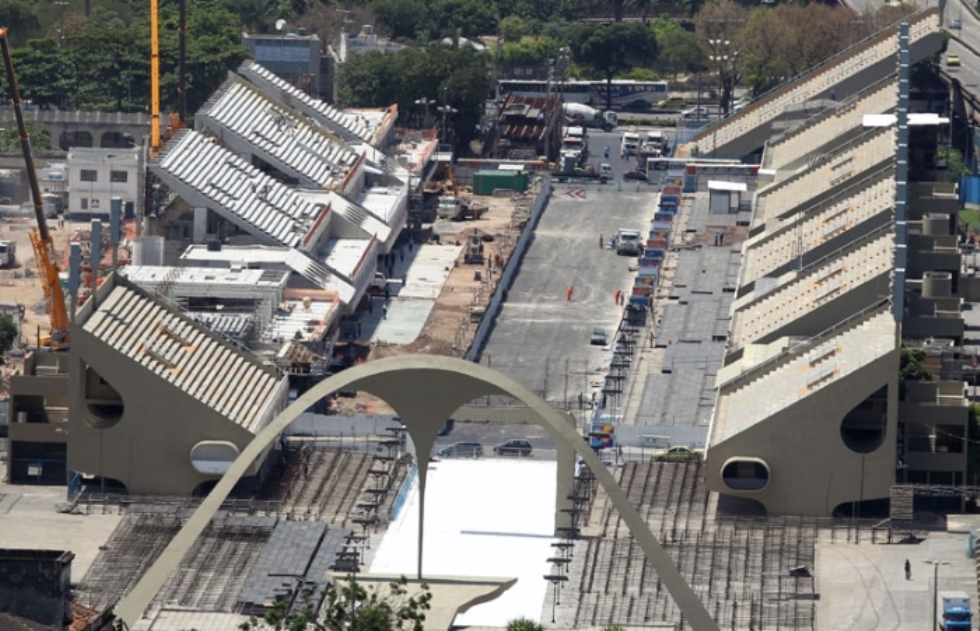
[{"x": 631, "y": 142}]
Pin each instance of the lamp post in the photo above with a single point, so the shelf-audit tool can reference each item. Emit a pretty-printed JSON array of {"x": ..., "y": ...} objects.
[
  {"x": 445, "y": 110},
  {"x": 425, "y": 103},
  {"x": 935, "y": 590}
]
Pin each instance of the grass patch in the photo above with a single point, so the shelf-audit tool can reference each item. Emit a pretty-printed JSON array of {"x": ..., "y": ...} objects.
[{"x": 970, "y": 217}]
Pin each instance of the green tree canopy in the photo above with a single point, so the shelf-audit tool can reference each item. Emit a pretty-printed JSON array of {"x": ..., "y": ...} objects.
[
  {"x": 10, "y": 138},
  {"x": 611, "y": 49},
  {"x": 8, "y": 333},
  {"x": 523, "y": 624},
  {"x": 351, "y": 607},
  {"x": 442, "y": 75}
]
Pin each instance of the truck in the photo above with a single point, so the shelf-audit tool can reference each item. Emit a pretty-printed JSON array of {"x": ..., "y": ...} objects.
[
  {"x": 653, "y": 145},
  {"x": 631, "y": 142},
  {"x": 586, "y": 116},
  {"x": 569, "y": 168},
  {"x": 953, "y": 611},
  {"x": 628, "y": 242},
  {"x": 8, "y": 253},
  {"x": 459, "y": 208}
]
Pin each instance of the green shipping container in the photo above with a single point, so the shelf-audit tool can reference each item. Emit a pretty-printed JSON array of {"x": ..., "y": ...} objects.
[{"x": 486, "y": 182}]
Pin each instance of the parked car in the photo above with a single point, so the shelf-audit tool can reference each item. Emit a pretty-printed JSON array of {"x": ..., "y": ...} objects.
[
  {"x": 638, "y": 105},
  {"x": 635, "y": 175},
  {"x": 955, "y": 23},
  {"x": 514, "y": 447},
  {"x": 953, "y": 60},
  {"x": 695, "y": 112},
  {"x": 673, "y": 103},
  {"x": 681, "y": 453},
  {"x": 462, "y": 450},
  {"x": 598, "y": 337}
]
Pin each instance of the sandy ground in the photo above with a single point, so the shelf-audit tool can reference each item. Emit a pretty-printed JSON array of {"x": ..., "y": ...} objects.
[{"x": 448, "y": 331}]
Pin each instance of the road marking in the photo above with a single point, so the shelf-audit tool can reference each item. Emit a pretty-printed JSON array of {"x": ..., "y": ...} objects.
[{"x": 576, "y": 193}]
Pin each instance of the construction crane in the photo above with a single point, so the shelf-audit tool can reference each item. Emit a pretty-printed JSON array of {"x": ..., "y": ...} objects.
[{"x": 44, "y": 253}]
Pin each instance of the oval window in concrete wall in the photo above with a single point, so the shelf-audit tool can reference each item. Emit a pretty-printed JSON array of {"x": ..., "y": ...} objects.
[
  {"x": 103, "y": 404},
  {"x": 745, "y": 474},
  {"x": 213, "y": 457},
  {"x": 863, "y": 428}
]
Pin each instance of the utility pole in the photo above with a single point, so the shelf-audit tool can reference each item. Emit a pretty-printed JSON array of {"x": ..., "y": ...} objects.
[{"x": 935, "y": 590}]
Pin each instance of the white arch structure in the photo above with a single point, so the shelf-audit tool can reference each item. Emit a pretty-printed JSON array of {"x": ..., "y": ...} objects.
[{"x": 424, "y": 390}]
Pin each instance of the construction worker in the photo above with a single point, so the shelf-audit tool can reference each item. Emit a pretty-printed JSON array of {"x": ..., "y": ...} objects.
[
  {"x": 618, "y": 296},
  {"x": 384, "y": 312},
  {"x": 602, "y": 242},
  {"x": 568, "y": 294}
]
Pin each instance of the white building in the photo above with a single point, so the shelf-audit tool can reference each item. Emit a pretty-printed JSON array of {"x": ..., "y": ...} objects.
[{"x": 95, "y": 176}]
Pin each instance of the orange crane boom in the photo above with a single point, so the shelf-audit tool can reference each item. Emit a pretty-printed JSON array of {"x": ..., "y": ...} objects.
[{"x": 44, "y": 252}]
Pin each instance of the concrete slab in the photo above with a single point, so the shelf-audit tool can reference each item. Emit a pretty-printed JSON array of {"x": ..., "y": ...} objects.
[
  {"x": 863, "y": 586},
  {"x": 424, "y": 268},
  {"x": 179, "y": 619},
  {"x": 30, "y": 521},
  {"x": 483, "y": 518},
  {"x": 403, "y": 323}
]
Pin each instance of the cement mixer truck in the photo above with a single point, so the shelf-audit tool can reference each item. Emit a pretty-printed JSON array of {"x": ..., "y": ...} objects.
[{"x": 581, "y": 114}]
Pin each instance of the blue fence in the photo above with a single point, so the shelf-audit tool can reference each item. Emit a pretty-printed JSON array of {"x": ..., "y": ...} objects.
[
  {"x": 396, "y": 506},
  {"x": 970, "y": 189}
]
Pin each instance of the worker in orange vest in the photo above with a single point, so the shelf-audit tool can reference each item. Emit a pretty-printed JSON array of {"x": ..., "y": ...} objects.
[
  {"x": 568, "y": 294},
  {"x": 618, "y": 295}
]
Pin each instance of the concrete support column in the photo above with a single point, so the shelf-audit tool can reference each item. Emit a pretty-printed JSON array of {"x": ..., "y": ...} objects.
[{"x": 200, "y": 225}]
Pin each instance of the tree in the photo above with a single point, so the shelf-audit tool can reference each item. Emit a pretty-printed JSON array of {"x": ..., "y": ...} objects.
[
  {"x": 609, "y": 49},
  {"x": 10, "y": 138},
  {"x": 523, "y": 624},
  {"x": 678, "y": 47},
  {"x": 8, "y": 333},
  {"x": 350, "y": 607},
  {"x": 718, "y": 26},
  {"x": 443, "y": 75}
]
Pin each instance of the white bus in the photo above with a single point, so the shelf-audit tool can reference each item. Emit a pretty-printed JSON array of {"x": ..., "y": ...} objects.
[{"x": 639, "y": 96}]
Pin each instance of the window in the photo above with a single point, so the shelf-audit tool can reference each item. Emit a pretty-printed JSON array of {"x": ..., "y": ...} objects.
[
  {"x": 85, "y": 203},
  {"x": 119, "y": 176},
  {"x": 89, "y": 175}
]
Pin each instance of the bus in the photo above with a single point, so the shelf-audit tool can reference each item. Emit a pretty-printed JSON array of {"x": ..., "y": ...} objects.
[
  {"x": 630, "y": 95},
  {"x": 572, "y": 91}
]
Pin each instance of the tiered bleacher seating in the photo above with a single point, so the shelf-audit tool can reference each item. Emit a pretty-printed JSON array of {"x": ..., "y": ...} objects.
[
  {"x": 869, "y": 149},
  {"x": 821, "y": 130},
  {"x": 806, "y": 87},
  {"x": 793, "y": 377},
  {"x": 287, "y": 140},
  {"x": 774, "y": 248},
  {"x": 207, "y": 174},
  {"x": 813, "y": 288}
]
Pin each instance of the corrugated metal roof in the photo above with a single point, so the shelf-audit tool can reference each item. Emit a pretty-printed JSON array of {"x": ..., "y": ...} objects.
[
  {"x": 283, "y": 134},
  {"x": 173, "y": 347},
  {"x": 234, "y": 188},
  {"x": 324, "y": 113}
]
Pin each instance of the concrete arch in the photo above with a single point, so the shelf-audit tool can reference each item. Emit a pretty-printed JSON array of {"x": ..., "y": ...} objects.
[{"x": 424, "y": 390}]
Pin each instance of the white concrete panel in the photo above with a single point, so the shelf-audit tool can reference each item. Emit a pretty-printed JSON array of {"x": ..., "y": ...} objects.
[{"x": 490, "y": 518}]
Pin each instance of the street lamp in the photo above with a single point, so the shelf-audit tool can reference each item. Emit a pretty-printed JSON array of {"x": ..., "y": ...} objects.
[
  {"x": 445, "y": 110},
  {"x": 425, "y": 103},
  {"x": 935, "y": 590}
]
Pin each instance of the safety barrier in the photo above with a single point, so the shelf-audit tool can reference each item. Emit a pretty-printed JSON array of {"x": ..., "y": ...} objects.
[{"x": 509, "y": 273}]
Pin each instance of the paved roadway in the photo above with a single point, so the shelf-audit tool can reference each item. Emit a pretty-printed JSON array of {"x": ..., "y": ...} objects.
[{"x": 541, "y": 338}]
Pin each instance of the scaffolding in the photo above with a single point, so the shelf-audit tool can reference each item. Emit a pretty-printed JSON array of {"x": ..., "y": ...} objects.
[{"x": 751, "y": 572}]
